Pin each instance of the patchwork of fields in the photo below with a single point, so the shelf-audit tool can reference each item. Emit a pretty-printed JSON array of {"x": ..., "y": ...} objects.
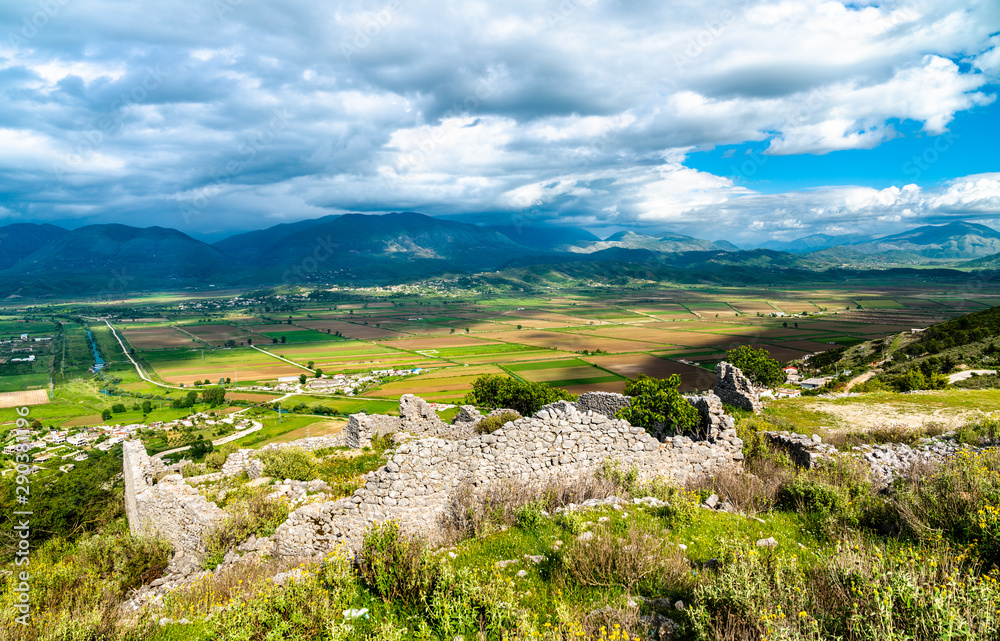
[{"x": 580, "y": 342}]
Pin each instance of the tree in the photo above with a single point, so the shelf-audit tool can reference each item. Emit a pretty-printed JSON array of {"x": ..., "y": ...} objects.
[
  {"x": 118, "y": 408},
  {"x": 310, "y": 364},
  {"x": 231, "y": 343},
  {"x": 214, "y": 396},
  {"x": 106, "y": 415},
  {"x": 657, "y": 403},
  {"x": 201, "y": 447},
  {"x": 494, "y": 390},
  {"x": 147, "y": 407},
  {"x": 36, "y": 424},
  {"x": 282, "y": 340},
  {"x": 519, "y": 327},
  {"x": 302, "y": 379},
  {"x": 249, "y": 341},
  {"x": 319, "y": 372},
  {"x": 757, "y": 365}
]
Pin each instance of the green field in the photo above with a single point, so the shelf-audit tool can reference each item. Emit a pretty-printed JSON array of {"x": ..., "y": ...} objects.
[{"x": 557, "y": 328}]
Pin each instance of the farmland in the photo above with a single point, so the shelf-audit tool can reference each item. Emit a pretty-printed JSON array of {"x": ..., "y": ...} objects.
[{"x": 577, "y": 340}]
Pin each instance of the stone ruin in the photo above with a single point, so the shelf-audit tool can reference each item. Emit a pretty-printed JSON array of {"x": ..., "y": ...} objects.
[
  {"x": 735, "y": 389},
  {"x": 434, "y": 458}
]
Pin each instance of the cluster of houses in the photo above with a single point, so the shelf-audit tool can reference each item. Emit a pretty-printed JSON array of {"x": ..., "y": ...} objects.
[
  {"x": 46, "y": 446},
  {"x": 19, "y": 348},
  {"x": 341, "y": 384},
  {"x": 201, "y": 420}
]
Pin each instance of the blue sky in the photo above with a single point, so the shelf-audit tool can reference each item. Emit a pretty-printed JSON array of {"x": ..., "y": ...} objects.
[{"x": 746, "y": 120}]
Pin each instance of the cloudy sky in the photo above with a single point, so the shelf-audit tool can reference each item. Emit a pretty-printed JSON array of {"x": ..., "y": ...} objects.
[{"x": 743, "y": 120}]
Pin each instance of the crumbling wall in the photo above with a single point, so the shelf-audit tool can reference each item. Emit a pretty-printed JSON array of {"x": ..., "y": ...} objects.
[
  {"x": 606, "y": 403},
  {"x": 416, "y": 484},
  {"x": 735, "y": 389},
  {"x": 169, "y": 507}
]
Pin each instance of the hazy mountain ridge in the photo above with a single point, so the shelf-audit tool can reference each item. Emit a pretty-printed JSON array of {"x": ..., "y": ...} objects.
[
  {"x": 406, "y": 246},
  {"x": 632, "y": 240}
]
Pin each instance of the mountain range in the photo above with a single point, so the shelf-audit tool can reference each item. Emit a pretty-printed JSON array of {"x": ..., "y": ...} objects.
[{"x": 369, "y": 248}]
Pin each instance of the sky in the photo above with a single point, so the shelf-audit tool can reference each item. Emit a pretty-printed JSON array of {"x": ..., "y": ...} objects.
[{"x": 744, "y": 120}]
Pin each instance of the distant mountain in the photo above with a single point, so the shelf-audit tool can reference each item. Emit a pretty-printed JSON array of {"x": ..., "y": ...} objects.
[
  {"x": 941, "y": 243},
  {"x": 102, "y": 254},
  {"x": 544, "y": 237},
  {"x": 356, "y": 245},
  {"x": 815, "y": 242},
  {"x": 19, "y": 240},
  {"x": 986, "y": 262},
  {"x": 632, "y": 240},
  {"x": 253, "y": 246}
]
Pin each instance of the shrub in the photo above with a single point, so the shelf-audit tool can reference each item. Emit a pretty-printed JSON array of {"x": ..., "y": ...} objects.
[
  {"x": 249, "y": 513},
  {"x": 985, "y": 431},
  {"x": 757, "y": 365},
  {"x": 632, "y": 559},
  {"x": 289, "y": 463},
  {"x": 490, "y": 424},
  {"x": 529, "y": 515},
  {"x": 397, "y": 567},
  {"x": 525, "y": 398},
  {"x": 656, "y": 403}
]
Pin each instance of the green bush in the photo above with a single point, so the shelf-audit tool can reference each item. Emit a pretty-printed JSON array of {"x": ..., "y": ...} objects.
[
  {"x": 656, "y": 403},
  {"x": 289, "y": 463},
  {"x": 504, "y": 392},
  {"x": 985, "y": 431},
  {"x": 397, "y": 568},
  {"x": 529, "y": 515},
  {"x": 490, "y": 424},
  {"x": 757, "y": 365},
  {"x": 249, "y": 513}
]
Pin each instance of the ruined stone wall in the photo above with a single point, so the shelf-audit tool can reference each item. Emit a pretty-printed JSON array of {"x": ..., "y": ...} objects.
[
  {"x": 606, "y": 403},
  {"x": 170, "y": 507},
  {"x": 361, "y": 427},
  {"x": 735, "y": 389},
  {"x": 416, "y": 485}
]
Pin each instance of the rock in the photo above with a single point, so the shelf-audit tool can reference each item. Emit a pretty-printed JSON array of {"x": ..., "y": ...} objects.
[
  {"x": 712, "y": 501},
  {"x": 586, "y": 536},
  {"x": 769, "y": 542},
  {"x": 679, "y": 605}
]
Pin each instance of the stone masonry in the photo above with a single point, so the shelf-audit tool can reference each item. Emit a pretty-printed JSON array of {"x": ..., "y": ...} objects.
[
  {"x": 417, "y": 483},
  {"x": 170, "y": 507},
  {"x": 735, "y": 389}
]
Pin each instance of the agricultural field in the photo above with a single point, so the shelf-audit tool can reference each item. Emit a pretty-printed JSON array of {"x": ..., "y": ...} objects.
[{"x": 580, "y": 341}]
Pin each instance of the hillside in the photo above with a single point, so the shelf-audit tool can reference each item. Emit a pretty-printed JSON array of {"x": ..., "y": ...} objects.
[
  {"x": 548, "y": 237},
  {"x": 632, "y": 240},
  {"x": 96, "y": 255},
  {"x": 19, "y": 240},
  {"x": 953, "y": 242}
]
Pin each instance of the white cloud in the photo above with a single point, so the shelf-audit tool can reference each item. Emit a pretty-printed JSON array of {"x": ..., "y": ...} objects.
[{"x": 583, "y": 109}]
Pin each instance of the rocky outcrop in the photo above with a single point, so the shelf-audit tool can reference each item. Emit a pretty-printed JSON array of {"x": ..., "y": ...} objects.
[{"x": 735, "y": 389}]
